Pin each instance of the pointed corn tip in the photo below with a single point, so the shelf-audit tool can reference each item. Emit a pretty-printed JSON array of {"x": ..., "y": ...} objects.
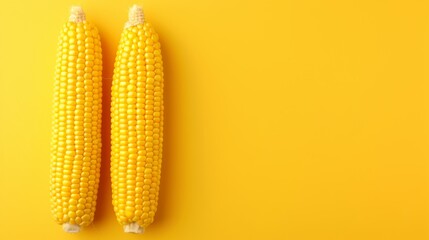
[
  {"x": 135, "y": 7},
  {"x": 135, "y": 16},
  {"x": 77, "y": 14}
]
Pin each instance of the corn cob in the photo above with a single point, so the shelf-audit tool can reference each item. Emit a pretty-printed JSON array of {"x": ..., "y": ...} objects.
[
  {"x": 76, "y": 141},
  {"x": 137, "y": 124}
]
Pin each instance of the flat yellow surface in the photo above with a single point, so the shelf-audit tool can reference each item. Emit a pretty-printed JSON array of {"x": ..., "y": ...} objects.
[{"x": 284, "y": 119}]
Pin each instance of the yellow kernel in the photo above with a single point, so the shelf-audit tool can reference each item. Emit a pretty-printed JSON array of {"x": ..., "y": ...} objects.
[
  {"x": 72, "y": 214},
  {"x": 86, "y": 217}
]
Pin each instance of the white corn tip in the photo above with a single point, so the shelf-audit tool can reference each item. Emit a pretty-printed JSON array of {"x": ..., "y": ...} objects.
[
  {"x": 133, "y": 228},
  {"x": 71, "y": 228},
  {"x": 77, "y": 14},
  {"x": 135, "y": 16}
]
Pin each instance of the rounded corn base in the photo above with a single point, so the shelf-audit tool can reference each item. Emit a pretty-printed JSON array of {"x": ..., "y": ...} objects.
[
  {"x": 133, "y": 228},
  {"x": 71, "y": 228}
]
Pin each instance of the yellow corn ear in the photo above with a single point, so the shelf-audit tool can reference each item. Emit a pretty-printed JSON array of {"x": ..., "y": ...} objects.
[
  {"x": 137, "y": 124},
  {"x": 76, "y": 141}
]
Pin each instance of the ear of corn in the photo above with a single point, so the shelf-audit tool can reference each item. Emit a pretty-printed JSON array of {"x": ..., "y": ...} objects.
[
  {"x": 137, "y": 124},
  {"x": 76, "y": 141}
]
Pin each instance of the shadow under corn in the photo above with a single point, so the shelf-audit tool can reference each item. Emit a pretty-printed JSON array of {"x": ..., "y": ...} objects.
[
  {"x": 166, "y": 198},
  {"x": 104, "y": 200}
]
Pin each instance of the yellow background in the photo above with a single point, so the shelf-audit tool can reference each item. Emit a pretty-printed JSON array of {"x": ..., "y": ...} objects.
[{"x": 284, "y": 119}]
